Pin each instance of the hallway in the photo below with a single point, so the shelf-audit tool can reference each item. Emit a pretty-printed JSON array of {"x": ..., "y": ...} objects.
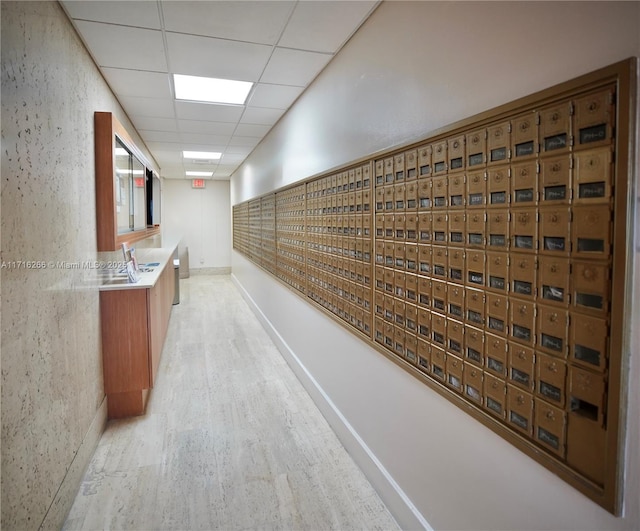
[{"x": 230, "y": 440}]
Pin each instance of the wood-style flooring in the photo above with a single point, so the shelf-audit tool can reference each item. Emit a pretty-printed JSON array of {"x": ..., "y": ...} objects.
[{"x": 230, "y": 440}]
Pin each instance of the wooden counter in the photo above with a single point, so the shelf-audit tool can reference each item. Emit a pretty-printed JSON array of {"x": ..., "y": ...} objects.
[{"x": 135, "y": 318}]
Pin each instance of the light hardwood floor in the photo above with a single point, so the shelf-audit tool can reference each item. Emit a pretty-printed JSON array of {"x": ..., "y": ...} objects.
[{"x": 230, "y": 440}]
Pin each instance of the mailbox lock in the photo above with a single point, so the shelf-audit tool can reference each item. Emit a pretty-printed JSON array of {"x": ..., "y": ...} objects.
[
  {"x": 523, "y": 310},
  {"x": 474, "y": 373},
  {"x": 553, "y": 268},
  {"x": 524, "y": 126},
  {"x": 520, "y": 399},
  {"x": 498, "y": 176},
  {"x": 552, "y": 367},
  {"x": 496, "y": 344},
  {"x": 521, "y": 354},
  {"x": 555, "y": 117},
  {"x": 496, "y": 303},
  {"x": 553, "y": 317},
  {"x": 593, "y": 106},
  {"x": 554, "y": 218},
  {"x": 494, "y": 385},
  {"x": 550, "y": 415}
]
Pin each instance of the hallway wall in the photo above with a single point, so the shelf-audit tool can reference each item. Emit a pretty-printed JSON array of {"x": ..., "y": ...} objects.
[
  {"x": 201, "y": 220},
  {"x": 53, "y": 408},
  {"x": 415, "y": 67}
]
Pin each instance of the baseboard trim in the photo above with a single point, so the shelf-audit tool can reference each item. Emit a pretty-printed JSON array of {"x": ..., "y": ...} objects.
[
  {"x": 398, "y": 503},
  {"x": 210, "y": 271},
  {"x": 63, "y": 500}
]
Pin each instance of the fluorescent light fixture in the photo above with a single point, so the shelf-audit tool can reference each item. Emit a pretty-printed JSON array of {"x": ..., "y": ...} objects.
[
  {"x": 199, "y": 173},
  {"x": 201, "y": 155},
  {"x": 211, "y": 90}
]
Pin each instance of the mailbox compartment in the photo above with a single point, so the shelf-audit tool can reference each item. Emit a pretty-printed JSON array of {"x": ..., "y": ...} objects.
[
  {"x": 497, "y": 271},
  {"x": 439, "y": 192},
  {"x": 455, "y": 300},
  {"x": 524, "y": 136},
  {"x": 555, "y": 128},
  {"x": 520, "y": 410},
  {"x": 411, "y": 349},
  {"x": 495, "y": 394},
  {"x": 455, "y": 337},
  {"x": 438, "y": 363},
  {"x": 399, "y": 167},
  {"x": 590, "y": 286},
  {"x": 476, "y": 189},
  {"x": 439, "y": 157},
  {"x": 411, "y": 318},
  {"x": 411, "y": 257},
  {"x": 411, "y": 165},
  {"x": 496, "y": 355},
  {"x": 524, "y": 230},
  {"x": 424, "y": 193},
  {"x": 424, "y": 259},
  {"x": 456, "y": 185},
  {"x": 424, "y": 323},
  {"x": 476, "y": 228},
  {"x": 411, "y": 191},
  {"x": 474, "y": 345},
  {"x": 439, "y": 295},
  {"x": 589, "y": 338},
  {"x": 399, "y": 336},
  {"x": 411, "y": 289},
  {"x": 522, "y": 274},
  {"x": 400, "y": 196},
  {"x": 550, "y": 427},
  {"x": 553, "y": 330},
  {"x": 521, "y": 366},
  {"x": 388, "y": 170},
  {"x": 438, "y": 329},
  {"x": 424, "y": 356},
  {"x": 498, "y": 143},
  {"x": 440, "y": 227},
  {"x": 424, "y": 291},
  {"x": 424, "y": 161},
  {"x": 591, "y": 231},
  {"x": 593, "y": 180},
  {"x": 498, "y": 187},
  {"x": 554, "y": 228},
  {"x": 497, "y": 309},
  {"x": 456, "y": 152},
  {"x": 439, "y": 262},
  {"x": 411, "y": 220},
  {"x": 498, "y": 229},
  {"x": 524, "y": 183},
  {"x": 475, "y": 266},
  {"x": 454, "y": 370},
  {"x": 456, "y": 264},
  {"x": 389, "y": 196},
  {"x": 551, "y": 378},
  {"x": 475, "y": 299},
  {"x": 522, "y": 315},
  {"x": 553, "y": 279},
  {"x": 425, "y": 227},
  {"x": 555, "y": 177},
  {"x": 476, "y": 144},
  {"x": 457, "y": 226},
  {"x": 593, "y": 119},
  {"x": 472, "y": 377}
]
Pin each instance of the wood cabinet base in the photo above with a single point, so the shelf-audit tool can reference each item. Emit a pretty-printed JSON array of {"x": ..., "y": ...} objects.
[{"x": 132, "y": 404}]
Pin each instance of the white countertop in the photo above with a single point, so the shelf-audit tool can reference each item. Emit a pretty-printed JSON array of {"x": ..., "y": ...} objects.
[{"x": 149, "y": 272}]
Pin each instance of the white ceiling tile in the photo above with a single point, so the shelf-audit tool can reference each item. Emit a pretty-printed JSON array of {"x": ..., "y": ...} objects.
[
  {"x": 138, "y": 83},
  {"x": 260, "y": 115},
  {"x": 142, "y": 14},
  {"x": 274, "y": 96},
  {"x": 208, "y": 112},
  {"x": 155, "y": 107},
  {"x": 209, "y": 57},
  {"x": 160, "y": 136},
  {"x": 232, "y": 158},
  {"x": 243, "y": 141},
  {"x": 225, "y": 171},
  {"x": 324, "y": 26},
  {"x": 206, "y": 128},
  {"x": 252, "y": 130},
  {"x": 294, "y": 67},
  {"x": 257, "y": 22},
  {"x": 154, "y": 124},
  {"x": 195, "y": 138},
  {"x": 123, "y": 46},
  {"x": 239, "y": 150}
]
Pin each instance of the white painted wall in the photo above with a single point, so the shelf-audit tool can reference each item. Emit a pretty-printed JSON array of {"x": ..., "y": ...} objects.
[
  {"x": 412, "y": 68},
  {"x": 200, "y": 219}
]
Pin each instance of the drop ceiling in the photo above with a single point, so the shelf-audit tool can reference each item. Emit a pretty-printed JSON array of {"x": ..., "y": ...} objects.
[{"x": 280, "y": 46}]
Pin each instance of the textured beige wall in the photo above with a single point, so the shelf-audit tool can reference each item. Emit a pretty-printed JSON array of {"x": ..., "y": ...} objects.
[
  {"x": 415, "y": 67},
  {"x": 52, "y": 391}
]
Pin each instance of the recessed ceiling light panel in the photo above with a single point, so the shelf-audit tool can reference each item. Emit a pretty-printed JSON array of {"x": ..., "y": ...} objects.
[
  {"x": 207, "y": 155},
  {"x": 199, "y": 173},
  {"x": 211, "y": 90}
]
